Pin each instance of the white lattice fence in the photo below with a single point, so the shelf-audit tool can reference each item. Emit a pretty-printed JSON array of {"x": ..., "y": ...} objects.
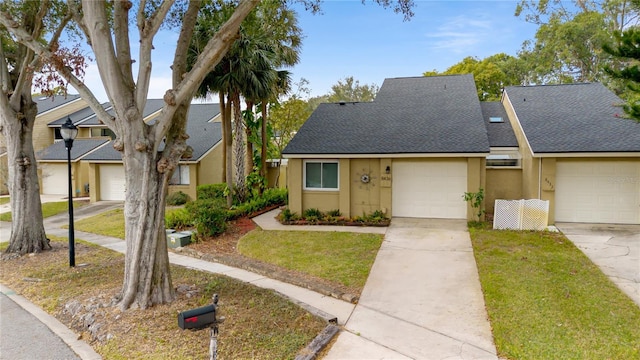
[{"x": 521, "y": 214}]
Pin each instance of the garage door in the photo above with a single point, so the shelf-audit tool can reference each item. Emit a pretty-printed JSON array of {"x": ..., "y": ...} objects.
[
  {"x": 598, "y": 191},
  {"x": 112, "y": 182},
  {"x": 429, "y": 189},
  {"x": 55, "y": 179}
]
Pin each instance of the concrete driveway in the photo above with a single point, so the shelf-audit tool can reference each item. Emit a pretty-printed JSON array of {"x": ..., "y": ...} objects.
[
  {"x": 422, "y": 299},
  {"x": 613, "y": 248}
]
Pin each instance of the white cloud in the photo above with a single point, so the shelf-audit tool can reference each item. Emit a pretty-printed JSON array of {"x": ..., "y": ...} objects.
[{"x": 460, "y": 33}]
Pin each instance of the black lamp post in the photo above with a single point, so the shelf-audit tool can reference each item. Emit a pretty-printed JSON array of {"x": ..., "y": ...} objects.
[{"x": 69, "y": 133}]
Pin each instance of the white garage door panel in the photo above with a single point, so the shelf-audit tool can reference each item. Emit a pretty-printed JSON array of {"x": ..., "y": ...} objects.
[
  {"x": 429, "y": 189},
  {"x": 598, "y": 191},
  {"x": 55, "y": 179},
  {"x": 112, "y": 182}
]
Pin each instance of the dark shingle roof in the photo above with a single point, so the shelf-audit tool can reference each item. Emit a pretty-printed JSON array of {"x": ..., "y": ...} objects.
[
  {"x": 439, "y": 114},
  {"x": 47, "y": 103},
  {"x": 500, "y": 133},
  {"x": 77, "y": 117},
  {"x": 203, "y": 135},
  {"x": 58, "y": 151},
  {"x": 573, "y": 118}
]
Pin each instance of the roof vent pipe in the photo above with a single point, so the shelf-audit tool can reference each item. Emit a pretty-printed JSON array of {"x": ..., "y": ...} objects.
[{"x": 342, "y": 102}]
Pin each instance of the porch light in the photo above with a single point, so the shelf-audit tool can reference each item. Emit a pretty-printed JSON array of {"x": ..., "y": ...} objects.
[{"x": 387, "y": 170}]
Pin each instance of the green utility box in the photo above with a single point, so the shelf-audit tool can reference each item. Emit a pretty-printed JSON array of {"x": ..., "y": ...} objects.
[{"x": 178, "y": 239}]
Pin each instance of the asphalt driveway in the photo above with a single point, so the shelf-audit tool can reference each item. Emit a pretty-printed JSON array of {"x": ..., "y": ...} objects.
[{"x": 613, "y": 248}]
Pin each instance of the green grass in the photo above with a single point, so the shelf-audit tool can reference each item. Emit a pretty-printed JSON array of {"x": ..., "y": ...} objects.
[
  {"x": 259, "y": 323},
  {"x": 4, "y": 200},
  {"x": 109, "y": 223},
  {"x": 547, "y": 300},
  {"x": 50, "y": 209},
  {"x": 341, "y": 257}
]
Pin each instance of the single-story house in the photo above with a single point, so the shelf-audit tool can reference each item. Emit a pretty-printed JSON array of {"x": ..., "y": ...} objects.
[{"x": 425, "y": 141}]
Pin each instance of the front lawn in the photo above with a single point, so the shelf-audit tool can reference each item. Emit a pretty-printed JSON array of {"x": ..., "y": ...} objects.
[
  {"x": 547, "y": 300},
  {"x": 259, "y": 323},
  {"x": 342, "y": 257},
  {"x": 50, "y": 209},
  {"x": 108, "y": 223},
  {"x": 4, "y": 200}
]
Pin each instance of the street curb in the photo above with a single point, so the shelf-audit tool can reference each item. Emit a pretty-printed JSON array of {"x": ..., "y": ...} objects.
[
  {"x": 80, "y": 347},
  {"x": 310, "y": 352}
]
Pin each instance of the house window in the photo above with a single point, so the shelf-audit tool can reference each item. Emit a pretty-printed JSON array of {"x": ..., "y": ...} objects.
[
  {"x": 503, "y": 159},
  {"x": 321, "y": 175},
  {"x": 180, "y": 176},
  {"x": 102, "y": 132},
  {"x": 56, "y": 134}
]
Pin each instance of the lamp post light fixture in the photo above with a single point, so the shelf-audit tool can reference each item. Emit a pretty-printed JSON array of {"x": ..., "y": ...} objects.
[{"x": 69, "y": 133}]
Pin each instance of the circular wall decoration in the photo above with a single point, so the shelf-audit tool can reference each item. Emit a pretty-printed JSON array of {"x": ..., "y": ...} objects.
[{"x": 365, "y": 178}]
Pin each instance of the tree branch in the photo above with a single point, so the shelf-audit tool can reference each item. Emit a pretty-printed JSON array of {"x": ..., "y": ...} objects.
[
  {"x": 123, "y": 46},
  {"x": 148, "y": 28},
  {"x": 213, "y": 52},
  {"x": 44, "y": 53}
]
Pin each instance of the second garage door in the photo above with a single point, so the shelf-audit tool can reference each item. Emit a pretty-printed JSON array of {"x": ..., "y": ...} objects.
[
  {"x": 598, "y": 191},
  {"x": 429, "y": 189},
  {"x": 55, "y": 179},
  {"x": 112, "y": 182}
]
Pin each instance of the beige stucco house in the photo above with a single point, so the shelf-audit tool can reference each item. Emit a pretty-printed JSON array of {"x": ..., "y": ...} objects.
[
  {"x": 49, "y": 109},
  {"x": 97, "y": 169},
  {"x": 425, "y": 141}
]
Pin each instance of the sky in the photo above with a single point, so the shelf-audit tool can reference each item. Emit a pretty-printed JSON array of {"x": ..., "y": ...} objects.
[{"x": 371, "y": 43}]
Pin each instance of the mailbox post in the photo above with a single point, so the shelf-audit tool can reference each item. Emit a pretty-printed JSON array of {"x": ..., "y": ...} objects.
[{"x": 202, "y": 318}]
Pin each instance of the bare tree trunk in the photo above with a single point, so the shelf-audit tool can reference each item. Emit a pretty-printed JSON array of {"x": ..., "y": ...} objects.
[
  {"x": 248, "y": 135},
  {"x": 27, "y": 229},
  {"x": 238, "y": 149},
  {"x": 228, "y": 151},
  {"x": 264, "y": 141}
]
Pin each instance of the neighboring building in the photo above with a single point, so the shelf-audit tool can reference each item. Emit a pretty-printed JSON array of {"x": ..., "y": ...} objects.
[
  {"x": 106, "y": 177},
  {"x": 425, "y": 141},
  {"x": 97, "y": 169},
  {"x": 49, "y": 108}
]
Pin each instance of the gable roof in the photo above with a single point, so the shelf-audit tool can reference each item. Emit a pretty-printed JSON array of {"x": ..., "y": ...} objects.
[
  {"x": 439, "y": 114},
  {"x": 48, "y": 103},
  {"x": 203, "y": 135},
  {"x": 58, "y": 151},
  {"x": 570, "y": 118},
  {"x": 500, "y": 133},
  {"x": 87, "y": 118},
  {"x": 77, "y": 117}
]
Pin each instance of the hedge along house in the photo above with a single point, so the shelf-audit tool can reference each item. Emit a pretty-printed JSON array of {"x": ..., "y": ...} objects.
[
  {"x": 424, "y": 142},
  {"x": 203, "y": 165},
  {"x": 413, "y": 152},
  {"x": 577, "y": 151}
]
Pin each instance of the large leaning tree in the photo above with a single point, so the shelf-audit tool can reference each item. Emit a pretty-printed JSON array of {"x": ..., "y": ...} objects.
[
  {"x": 20, "y": 68},
  {"x": 107, "y": 27},
  {"x": 147, "y": 279}
]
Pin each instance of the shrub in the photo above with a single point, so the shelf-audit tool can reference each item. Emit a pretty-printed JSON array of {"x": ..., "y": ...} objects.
[
  {"x": 211, "y": 191},
  {"x": 275, "y": 196},
  {"x": 209, "y": 216},
  {"x": 334, "y": 213},
  {"x": 177, "y": 198},
  {"x": 312, "y": 214},
  {"x": 287, "y": 215},
  {"x": 178, "y": 219}
]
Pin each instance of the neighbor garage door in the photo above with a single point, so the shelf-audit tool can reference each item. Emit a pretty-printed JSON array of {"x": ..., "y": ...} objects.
[
  {"x": 429, "y": 189},
  {"x": 112, "y": 182},
  {"x": 55, "y": 179},
  {"x": 598, "y": 191}
]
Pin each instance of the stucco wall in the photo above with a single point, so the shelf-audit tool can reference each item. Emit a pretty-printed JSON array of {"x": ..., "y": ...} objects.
[
  {"x": 210, "y": 167},
  {"x": 43, "y": 136},
  {"x": 502, "y": 184},
  {"x": 356, "y": 197}
]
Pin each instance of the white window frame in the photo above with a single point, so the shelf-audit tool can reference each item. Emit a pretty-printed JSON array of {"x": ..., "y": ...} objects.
[
  {"x": 183, "y": 175},
  {"x": 320, "y": 161}
]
